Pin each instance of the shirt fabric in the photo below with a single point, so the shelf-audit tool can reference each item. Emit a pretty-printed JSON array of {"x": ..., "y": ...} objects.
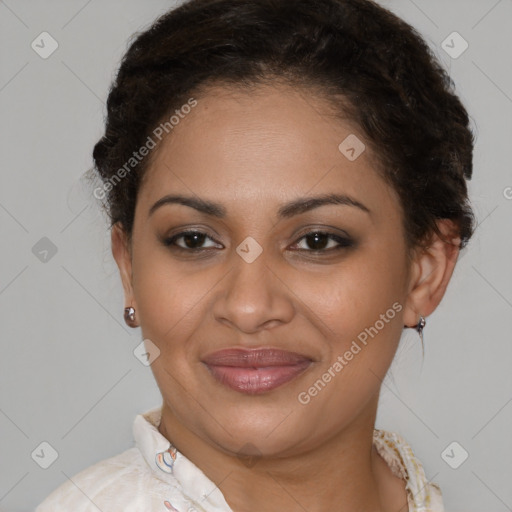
[{"x": 154, "y": 476}]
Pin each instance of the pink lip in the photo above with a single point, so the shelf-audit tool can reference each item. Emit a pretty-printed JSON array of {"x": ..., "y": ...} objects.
[{"x": 255, "y": 371}]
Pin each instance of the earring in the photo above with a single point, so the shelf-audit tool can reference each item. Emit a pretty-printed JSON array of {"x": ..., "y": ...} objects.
[
  {"x": 129, "y": 317},
  {"x": 419, "y": 327}
]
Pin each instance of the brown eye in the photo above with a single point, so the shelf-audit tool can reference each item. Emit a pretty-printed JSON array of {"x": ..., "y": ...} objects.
[
  {"x": 318, "y": 241},
  {"x": 192, "y": 241}
]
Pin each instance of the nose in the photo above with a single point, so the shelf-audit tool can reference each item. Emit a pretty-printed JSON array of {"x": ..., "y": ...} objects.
[{"x": 254, "y": 296}]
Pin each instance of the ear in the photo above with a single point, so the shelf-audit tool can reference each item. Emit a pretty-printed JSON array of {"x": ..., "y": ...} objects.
[
  {"x": 431, "y": 271},
  {"x": 122, "y": 254}
]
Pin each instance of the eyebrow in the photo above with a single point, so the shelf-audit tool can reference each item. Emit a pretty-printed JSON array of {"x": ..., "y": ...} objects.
[{"x": 288, "y": 210}]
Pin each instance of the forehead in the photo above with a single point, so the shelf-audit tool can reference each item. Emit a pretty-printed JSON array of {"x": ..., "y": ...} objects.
[{"x": 271, "y": 141}]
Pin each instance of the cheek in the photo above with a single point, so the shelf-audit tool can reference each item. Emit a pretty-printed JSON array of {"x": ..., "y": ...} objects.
[
  {"x": 163, "y": 292},
  {"x": 359, "y": 307},
  {"x": 173, "y": 298},
  {"x": 354, "y": 295}
]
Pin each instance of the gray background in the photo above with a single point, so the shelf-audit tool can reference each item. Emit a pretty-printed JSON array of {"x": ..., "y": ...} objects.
[{"x": 68, "y": 373}]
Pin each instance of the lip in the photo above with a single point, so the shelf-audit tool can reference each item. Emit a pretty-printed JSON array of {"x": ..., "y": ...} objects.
[{"x": 255, "y": 371}]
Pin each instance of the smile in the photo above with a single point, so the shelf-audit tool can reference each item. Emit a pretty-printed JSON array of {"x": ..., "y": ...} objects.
[{"x": 255, "y": 371}]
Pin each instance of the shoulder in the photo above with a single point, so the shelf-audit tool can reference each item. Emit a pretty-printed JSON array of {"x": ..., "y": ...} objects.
[{"x": 117, "y": 483}]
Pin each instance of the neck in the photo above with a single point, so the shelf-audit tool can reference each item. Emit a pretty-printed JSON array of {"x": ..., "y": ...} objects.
[{"x": 344, "y": 473}]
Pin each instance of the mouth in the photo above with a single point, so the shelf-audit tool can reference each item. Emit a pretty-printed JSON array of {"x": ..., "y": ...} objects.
[{"x": 255, "y": 371}]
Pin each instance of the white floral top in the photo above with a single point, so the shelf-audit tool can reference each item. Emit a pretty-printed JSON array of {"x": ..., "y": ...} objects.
[{"x": 154, "y": 476}]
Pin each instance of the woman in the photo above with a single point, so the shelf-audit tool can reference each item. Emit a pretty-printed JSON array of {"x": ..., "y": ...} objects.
[{"x": 286, "y": 185}]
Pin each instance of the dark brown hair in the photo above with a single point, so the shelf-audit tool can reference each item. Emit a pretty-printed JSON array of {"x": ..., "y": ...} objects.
[{"x": 370, "y": 65}]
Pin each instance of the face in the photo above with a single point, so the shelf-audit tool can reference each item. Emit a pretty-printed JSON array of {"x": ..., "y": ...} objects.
[{"x": 268, "y": 267}]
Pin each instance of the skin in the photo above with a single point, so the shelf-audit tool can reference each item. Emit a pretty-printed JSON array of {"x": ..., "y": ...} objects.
[{"x": 252, "y": 153}]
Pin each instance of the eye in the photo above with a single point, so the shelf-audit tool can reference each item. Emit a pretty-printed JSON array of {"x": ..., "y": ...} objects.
[
  {"x": 193, "y": 241},
  {"x": 319, "y": 240}
]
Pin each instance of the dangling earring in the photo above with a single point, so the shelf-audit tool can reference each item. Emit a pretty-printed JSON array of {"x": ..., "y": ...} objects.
[
  {"x": 419, "y": 327},
  {"x": 129, "y": 317}
]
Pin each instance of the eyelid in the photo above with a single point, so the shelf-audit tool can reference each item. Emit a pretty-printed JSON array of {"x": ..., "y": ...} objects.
[
  {"x": 170, "y": 240},
  {"x": 342, "y": 239},
  {"x": 342, "y": 242},
  {"x": 325, "y": 229}
]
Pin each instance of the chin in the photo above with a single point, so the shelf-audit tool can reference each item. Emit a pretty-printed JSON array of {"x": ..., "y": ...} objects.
[{"x": 264, "y": 435}]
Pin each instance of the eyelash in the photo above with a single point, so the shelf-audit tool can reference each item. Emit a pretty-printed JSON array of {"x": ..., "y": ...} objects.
[{"x": 344, "y": 243}]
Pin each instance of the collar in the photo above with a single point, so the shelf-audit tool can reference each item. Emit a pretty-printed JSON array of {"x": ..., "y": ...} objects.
[
  {"x": 171, "y": 466},
  {"x": 422, "y": 495}
]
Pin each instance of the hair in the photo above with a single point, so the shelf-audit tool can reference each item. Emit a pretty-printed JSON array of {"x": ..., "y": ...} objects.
[{"x": 371, "y": 66}]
